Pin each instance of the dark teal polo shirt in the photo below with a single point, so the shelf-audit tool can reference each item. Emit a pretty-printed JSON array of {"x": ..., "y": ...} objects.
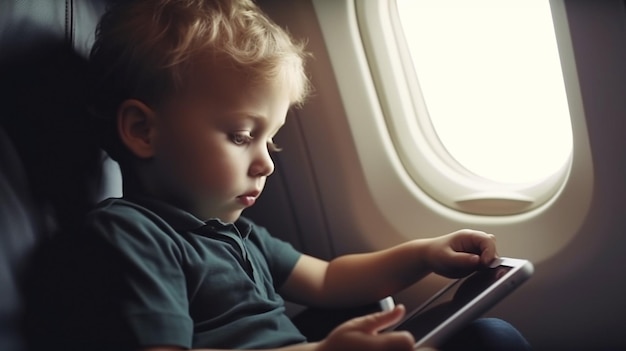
[{"x": 195, "y": 284}]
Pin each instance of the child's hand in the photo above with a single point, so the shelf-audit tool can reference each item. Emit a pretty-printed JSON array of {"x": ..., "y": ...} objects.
[
  {"x": 457, "y": 254},
  {"x": 362, "y": 334}
]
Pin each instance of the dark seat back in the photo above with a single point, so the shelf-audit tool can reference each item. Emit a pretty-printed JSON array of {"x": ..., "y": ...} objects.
[
  {"x": 47, "y": 175},
  {"x": 18, "y": 234}
]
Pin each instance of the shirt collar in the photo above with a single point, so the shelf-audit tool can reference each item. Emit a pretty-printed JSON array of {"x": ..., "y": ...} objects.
[
  {"x": 182, "y": 220},
  {"x": 241, "y": 226}
]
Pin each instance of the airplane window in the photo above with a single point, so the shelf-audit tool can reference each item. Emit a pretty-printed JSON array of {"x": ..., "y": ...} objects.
[
  {"x": 518, "y": 173},
  {"x": 475, "y": 98},
  {"x": 490, "y": 77}
]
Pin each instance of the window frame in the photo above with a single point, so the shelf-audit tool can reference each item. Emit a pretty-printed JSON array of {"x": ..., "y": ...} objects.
[{"x": 406, "y": 207}]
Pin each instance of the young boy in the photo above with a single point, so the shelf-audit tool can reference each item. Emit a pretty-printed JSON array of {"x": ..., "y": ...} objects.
[{"x": 191, "y": 94}]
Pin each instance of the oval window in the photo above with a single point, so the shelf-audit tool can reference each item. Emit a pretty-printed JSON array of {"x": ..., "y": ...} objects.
[{"x": 491, "y": 130}]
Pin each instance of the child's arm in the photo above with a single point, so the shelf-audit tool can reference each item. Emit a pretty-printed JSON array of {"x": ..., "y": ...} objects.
[
  {"x": 364, "y": 278},
  {"x": 357, "y": 334}
]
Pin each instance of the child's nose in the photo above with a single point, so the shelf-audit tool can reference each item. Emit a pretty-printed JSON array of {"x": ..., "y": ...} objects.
[{"x": 262, "y": 165}]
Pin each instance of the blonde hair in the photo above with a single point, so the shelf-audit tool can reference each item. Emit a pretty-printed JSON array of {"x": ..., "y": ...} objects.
[{"x": 144, "y": 48}]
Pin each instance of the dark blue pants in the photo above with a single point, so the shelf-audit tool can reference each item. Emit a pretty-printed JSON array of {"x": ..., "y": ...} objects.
[{"x": 487, "y": 334}]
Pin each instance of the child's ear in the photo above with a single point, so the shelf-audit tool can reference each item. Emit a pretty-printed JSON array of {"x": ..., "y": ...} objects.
[{"x": 136, "y": 127}]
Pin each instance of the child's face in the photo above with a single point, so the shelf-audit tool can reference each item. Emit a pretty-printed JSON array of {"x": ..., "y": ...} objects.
[{"x": 214, "y": 142}]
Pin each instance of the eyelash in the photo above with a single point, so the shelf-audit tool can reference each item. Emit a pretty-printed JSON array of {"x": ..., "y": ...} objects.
[
  {"x": 273, "y": 147},
  {"x": 244, "y": 139},
  {"x": 241, "y": 138}
]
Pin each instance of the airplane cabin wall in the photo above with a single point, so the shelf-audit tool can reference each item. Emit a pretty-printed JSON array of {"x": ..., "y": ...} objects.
[
  {"x": 318, "y": 199},
  {"x": 576, "y": 300}
]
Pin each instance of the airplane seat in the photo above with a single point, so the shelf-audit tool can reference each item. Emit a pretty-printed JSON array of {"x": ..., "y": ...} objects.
[
  {"x": 51, "y": 169},
  {"x": 17, "y": 240}
]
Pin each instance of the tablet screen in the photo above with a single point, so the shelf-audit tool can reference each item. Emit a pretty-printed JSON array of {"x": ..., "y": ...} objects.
[{"x": 451, "y": 300}]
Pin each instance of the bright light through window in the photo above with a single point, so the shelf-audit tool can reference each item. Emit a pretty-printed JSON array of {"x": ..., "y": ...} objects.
[{"x": 491, "y": 79}]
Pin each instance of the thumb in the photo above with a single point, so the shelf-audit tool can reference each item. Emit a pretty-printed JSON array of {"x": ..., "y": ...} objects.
[{"x": 375, "y": 322}]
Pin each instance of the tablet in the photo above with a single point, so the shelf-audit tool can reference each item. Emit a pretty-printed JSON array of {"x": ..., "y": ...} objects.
[{"x": 464, "y": 300}]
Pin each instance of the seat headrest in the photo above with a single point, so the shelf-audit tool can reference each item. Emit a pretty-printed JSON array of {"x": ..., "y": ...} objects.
[
  {"x": 24, "y": 24},
  {"x": 43, "y": 62}
]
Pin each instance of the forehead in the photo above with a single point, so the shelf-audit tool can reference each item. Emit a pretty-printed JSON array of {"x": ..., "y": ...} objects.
[
  {"x": 223, "y": 82},
  {"x": 223, "y": 93}
]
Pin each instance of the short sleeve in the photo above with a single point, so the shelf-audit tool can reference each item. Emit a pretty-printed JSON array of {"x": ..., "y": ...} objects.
[
  {"x": 152, "y": 299},
  {"x": 281, "y": 256}
]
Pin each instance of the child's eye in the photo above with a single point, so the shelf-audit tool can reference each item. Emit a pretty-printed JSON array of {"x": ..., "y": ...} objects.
[
  {"x": 273, "y": 147},
  {"x": 241, "y": 138}
]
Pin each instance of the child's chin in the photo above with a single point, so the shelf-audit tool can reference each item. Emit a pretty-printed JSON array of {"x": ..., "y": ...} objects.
[{"x": 231, "y": 217}]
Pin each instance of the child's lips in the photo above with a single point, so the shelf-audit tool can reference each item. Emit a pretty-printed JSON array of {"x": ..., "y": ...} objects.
[{"x": 249, "y": 199}]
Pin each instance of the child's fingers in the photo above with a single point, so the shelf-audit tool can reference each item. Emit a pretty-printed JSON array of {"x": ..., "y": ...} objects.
[
  {"x": 362, "y": 333},
  {"x": 394, "y": 341},
  {"x": 375, "y": 322}
]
